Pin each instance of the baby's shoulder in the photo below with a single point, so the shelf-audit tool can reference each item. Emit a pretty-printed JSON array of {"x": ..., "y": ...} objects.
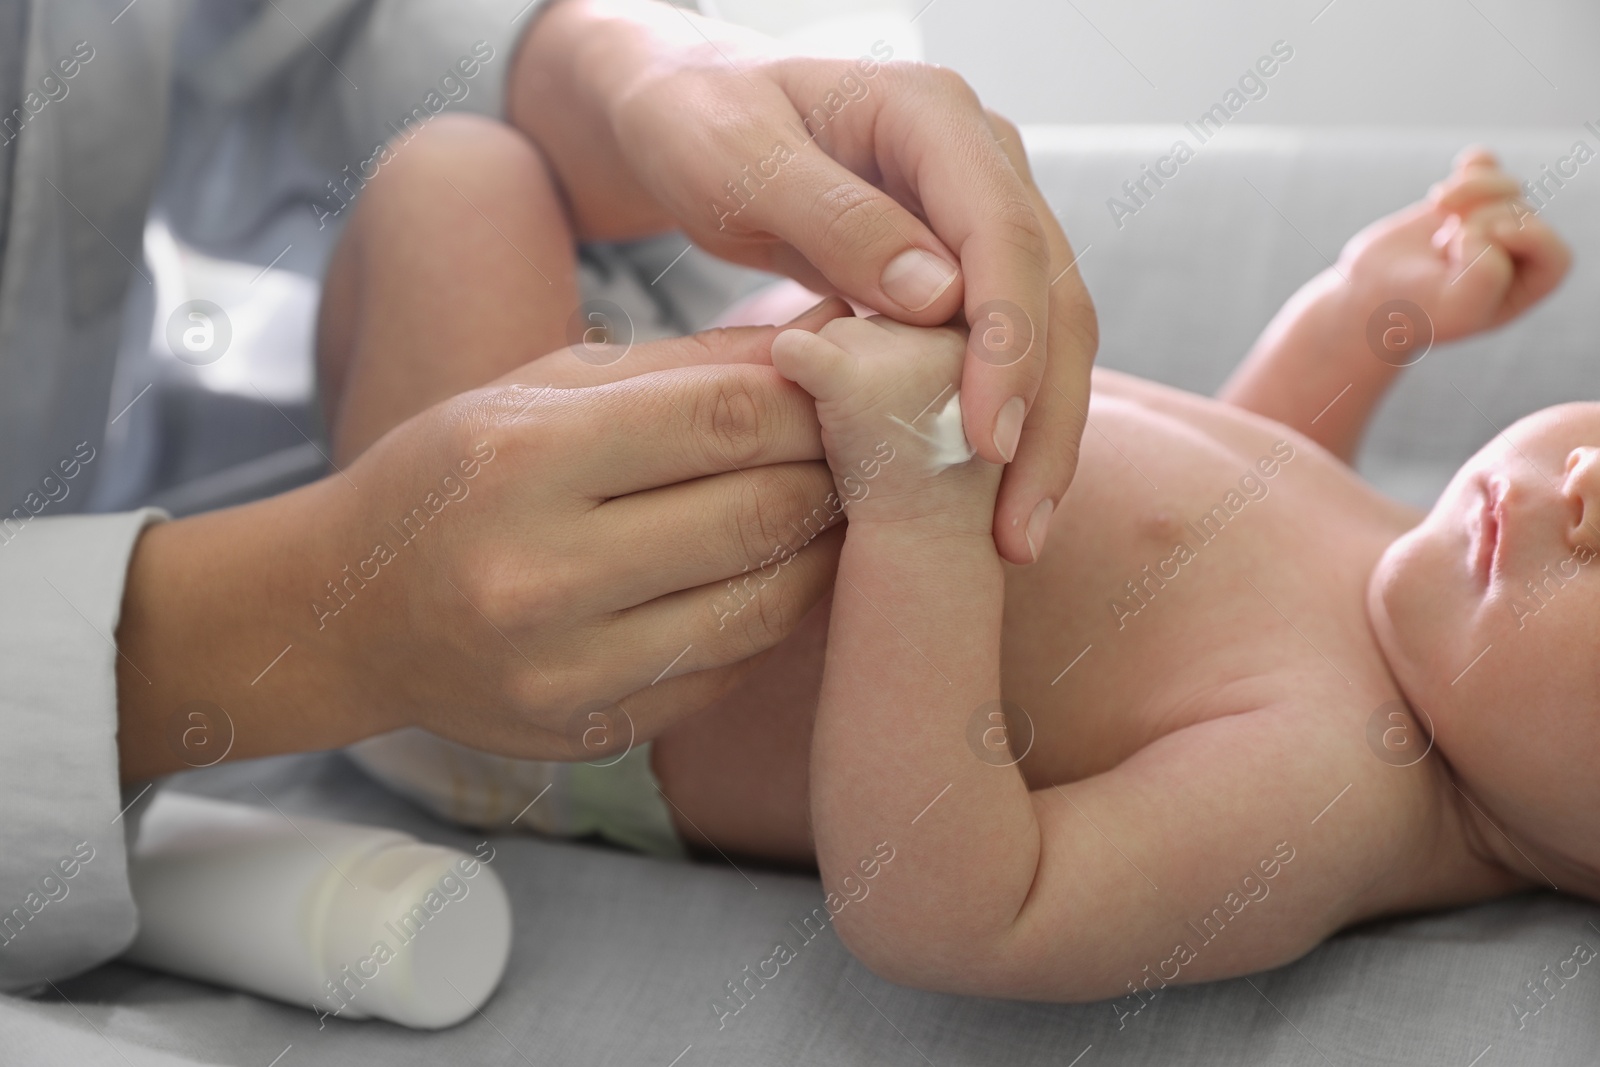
[
  {"x": 1394, "y": 823},
  {"x": 1281, "y": 798}
]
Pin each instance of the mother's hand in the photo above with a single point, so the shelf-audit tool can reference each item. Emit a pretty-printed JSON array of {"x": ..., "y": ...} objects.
[
  {"x": 495, "y": 565},
  {"x": 640, "y": 531},
  {"x": 653, "y": 118}
]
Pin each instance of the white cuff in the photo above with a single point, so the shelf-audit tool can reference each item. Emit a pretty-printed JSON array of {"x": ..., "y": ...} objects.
[{"x": 64, "y": 899}]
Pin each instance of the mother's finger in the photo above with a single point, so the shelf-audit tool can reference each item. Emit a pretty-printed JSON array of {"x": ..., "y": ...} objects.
[
  {"x": 721, "y": 528},
  {"x": 940, "y": 143},
  {"x": 1047, "y": 455},
  {"x": 711, "y": 626},
  {"x": 581, "y": 365},
  {"x": 673, "y": 425},
  {"x": 865, "y": 244}
]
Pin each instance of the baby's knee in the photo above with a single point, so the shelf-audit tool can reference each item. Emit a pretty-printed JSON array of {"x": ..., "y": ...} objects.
[
  {"x": 463, "y": 146},
  {"x": 458, "y": 163}
]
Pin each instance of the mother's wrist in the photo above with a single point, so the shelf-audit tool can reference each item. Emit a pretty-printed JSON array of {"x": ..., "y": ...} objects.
[
  {"x": 571, "y": 69},
  {"x": 217, "y": 621}
]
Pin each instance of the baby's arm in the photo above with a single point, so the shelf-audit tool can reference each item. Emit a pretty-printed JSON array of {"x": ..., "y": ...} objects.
[
  {"x": 913, "y": 650},
  {"x": 1469, "y": 257},
  {"x": 942, "y": 869}
]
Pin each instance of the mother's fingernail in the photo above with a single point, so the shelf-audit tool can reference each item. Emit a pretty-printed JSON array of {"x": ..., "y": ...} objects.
[
  {"x": 1008, "y": 427},
  {"x": 1039, "y": 526},
  {"x": 916, "y": 278}
]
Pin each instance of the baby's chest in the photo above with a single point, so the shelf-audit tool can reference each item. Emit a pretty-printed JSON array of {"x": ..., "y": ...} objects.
[{"x": 1188, "y": 576}]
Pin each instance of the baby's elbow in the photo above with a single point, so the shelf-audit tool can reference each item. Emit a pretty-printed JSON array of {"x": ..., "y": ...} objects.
[
  {"x": 902, "y": 958},
  {"x": 944, "y": 958},
  {"x": 969, "y": 958}
]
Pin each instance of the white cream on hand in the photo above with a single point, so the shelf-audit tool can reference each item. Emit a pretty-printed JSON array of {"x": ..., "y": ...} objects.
[{"x": 946, "y": 438}]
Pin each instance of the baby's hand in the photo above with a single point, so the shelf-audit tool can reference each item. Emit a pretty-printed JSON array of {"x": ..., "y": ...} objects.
[
  {"x": 1473, "y": 255},
  {"x": 891, "y": 422}
]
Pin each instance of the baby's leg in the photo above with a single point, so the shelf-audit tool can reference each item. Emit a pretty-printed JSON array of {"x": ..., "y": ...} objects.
[{"x": 456, "y": 267}]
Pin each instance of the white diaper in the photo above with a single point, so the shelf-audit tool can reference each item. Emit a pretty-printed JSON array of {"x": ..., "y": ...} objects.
[{"x": 617, "y": 799}]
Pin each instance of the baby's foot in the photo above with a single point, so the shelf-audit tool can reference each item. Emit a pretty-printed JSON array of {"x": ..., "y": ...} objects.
[{"x": 888, "y": 401}]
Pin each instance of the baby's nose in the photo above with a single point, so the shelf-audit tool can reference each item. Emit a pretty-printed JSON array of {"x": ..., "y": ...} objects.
[{"x": 1582, "y": 491}]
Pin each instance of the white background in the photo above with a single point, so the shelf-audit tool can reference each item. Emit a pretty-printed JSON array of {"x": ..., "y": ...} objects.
[{"x": 1362, "y": 62}]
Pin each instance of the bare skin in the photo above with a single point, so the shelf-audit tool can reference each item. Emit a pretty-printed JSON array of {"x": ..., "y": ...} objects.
[
  {"x": 1213, "y": 728},
  {"x": 618, "y": 94},
  {"x": 660, "y": 110}
]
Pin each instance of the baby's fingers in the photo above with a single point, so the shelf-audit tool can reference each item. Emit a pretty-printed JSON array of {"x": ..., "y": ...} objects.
[
  {"x": 1507, "y": 258},
  {"x": 1479, "y": 270},
  {"x": 1475, "y": 155},
  {"x": 1466, "y": 189},
  {"x": 1541, "y": 258}
]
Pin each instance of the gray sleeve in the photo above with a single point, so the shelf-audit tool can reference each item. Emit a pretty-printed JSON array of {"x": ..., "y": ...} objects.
[
  {"x": 406, "y": 60},
  {"x": 411, "y": 59},
  {"x": 282, "y": 110},
  {"x": 64, "y": 899},
  {"x": 354, "y": 73}
]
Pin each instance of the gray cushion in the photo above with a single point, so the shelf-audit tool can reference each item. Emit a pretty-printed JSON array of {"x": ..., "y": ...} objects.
[
  {"x": 619, "y": 958},
  {"x": 1187, "y": 282}
]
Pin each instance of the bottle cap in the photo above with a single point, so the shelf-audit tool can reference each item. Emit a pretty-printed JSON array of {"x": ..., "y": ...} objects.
[{"x": 414, "y": 933}]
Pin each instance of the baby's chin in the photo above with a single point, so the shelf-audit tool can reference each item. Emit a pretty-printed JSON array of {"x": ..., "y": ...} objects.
[
  {"x": 1393, "y": 589},
  {"x": 1423, "y": 606}
]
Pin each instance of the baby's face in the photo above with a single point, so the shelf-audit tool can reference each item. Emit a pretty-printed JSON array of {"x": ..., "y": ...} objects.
[{"x": 1489, "y": 615}]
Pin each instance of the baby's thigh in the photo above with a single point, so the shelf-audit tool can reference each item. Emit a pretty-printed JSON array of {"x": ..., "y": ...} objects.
[
  {"x": 737, "y": 774},
  {"x": 457, "y": 265}
]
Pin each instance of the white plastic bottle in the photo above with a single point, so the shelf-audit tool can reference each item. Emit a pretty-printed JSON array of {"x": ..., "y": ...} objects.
[{"x": 353, "y": 921}]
